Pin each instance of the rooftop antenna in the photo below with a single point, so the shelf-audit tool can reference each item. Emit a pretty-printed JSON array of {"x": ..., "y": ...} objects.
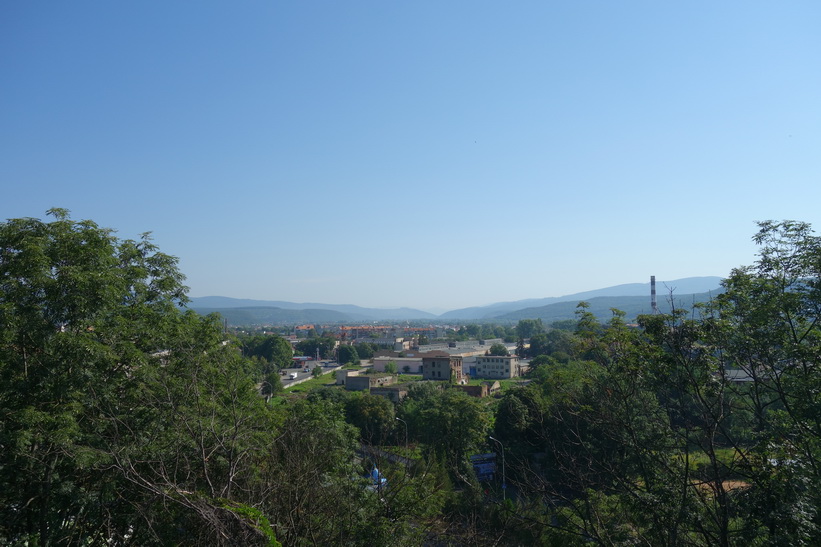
[{"x": 653, "y": 303}]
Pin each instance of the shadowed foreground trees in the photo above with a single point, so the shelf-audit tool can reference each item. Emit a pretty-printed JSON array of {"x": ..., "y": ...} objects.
[
  {"x": 123, "y": 419},
  {"x": 699, "y": 428},
  {"x": 126, "y": 421}
]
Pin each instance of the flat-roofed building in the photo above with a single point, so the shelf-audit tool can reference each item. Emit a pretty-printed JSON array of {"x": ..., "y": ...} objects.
[
  {"x": 497, "y": 366},
  {"x": 367, "y": 381},
  {"x": 442, "y": 366}
]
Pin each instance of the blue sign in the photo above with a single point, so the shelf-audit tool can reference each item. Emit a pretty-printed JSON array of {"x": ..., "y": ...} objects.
[{"x": 484, "y": 466}]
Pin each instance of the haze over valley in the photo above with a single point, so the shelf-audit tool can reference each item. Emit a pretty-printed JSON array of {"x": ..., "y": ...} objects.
[{"x": 632, "y": 298}]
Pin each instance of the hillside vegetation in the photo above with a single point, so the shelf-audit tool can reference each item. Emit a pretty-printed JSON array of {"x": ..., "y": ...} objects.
[{"x": 127, "y": 420}]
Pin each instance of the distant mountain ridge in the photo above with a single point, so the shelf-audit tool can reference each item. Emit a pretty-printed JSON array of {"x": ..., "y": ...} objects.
[
  {"x": 343, "y": 312},
  {"x": 632, "y": 298},
  {"x": 689, "y": 285},
  {"x": 602, "y": 307}
]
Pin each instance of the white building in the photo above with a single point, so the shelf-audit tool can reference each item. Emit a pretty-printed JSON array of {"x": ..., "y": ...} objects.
[{"x": 497, "y": 366}]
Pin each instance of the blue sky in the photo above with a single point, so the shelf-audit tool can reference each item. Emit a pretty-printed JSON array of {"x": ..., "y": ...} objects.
[{"x": 424, "y": 154}]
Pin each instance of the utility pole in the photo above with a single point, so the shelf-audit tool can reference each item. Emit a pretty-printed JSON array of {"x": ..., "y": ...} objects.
[{"x": 504, "y": 483}]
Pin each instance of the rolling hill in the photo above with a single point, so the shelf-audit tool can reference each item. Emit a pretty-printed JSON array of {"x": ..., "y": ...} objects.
[
  {"x": 238, "y": 310},
  {"x": 602, "y": 306},
  {"x": 679, "y": 287},
  {"x": 632, "y": 298}
]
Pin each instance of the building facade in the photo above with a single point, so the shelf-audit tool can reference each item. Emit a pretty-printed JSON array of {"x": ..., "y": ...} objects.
[
  {"x": 497, "y": 366},
  {"x": 367, "y": 381},
  {"x": 442, "y": 366}
]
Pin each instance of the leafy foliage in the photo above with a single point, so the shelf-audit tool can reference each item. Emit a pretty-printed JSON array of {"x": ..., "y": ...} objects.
[
  {"x": 322, "y": 346},
  {"x": 498, "y": 349},
  {"x": 124, "y": 419},
  {"x": 347, "y": 354}
]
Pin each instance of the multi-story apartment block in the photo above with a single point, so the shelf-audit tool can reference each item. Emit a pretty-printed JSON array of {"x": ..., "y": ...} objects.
[{"x": 497, "y": 366}]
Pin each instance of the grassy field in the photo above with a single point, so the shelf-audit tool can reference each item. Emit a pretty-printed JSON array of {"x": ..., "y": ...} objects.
[
  {"x": 323, "y": 380},
  {"x": 402, "y": 378}
]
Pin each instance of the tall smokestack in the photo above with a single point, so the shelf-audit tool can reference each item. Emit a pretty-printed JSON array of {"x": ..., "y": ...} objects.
[{"x": 653, "y": 304}]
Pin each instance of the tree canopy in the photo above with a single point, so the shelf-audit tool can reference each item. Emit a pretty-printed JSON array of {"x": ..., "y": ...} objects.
[
  {"x": 125, "y": 419},
  {"x": 323, "y": 347},
  {"x": 700, "y": 427},
  {"x": 498, "y": 349},
  {"x": 347, "y": 354}
]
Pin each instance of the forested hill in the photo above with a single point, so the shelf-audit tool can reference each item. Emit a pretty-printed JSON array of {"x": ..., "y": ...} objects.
[
  {"x": 237, "y": 311},
  {"x": 502, "y": 310},
  {"x": 602, "y": 306},
  {"x": 632, "y": 298}
]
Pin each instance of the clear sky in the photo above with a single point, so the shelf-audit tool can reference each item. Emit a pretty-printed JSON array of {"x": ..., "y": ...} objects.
[{"x": 429, "y": 154}]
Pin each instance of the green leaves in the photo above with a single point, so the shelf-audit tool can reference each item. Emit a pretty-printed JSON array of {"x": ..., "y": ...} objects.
[
  {"x": 83, "y": 318},
  {"x": 347, "y": 354}
]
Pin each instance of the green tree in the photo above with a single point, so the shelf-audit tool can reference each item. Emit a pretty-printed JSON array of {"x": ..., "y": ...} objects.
[
  {"x": 208, "y": 427},
  {"x": 272, "y": 383},
  {"x": 453, "y": 426},
  {"x": 277, "y": 350},
  {"x": 311, "y": 484},
  {"x": 489, "y": 331},
  {"x": 366, "y": 350},
  {"x": 266, "y": 347},
  {"x": 526, "y": 328},
  {"x": 124, "y": 420},
  {"x": 766, "y": 326},
  {"x": 347, "y": 354},
  {"x": 568, "y": 325},
  {"x": 61, "y": 283},
  {"x": 539, "y": 345},
  {"x": 89, "y": 327},
  {"x": 498, "y": 349},
  {"x": 539, "y": 364},
  {"x": 521, "y": 351},
  {"x": 473, "y": 330},
  {"x": 700, "y": 428},
  {"x": 324, "y": 346},
  {"x": 270, "y": 354},
  {"x": 554, "y": 342},
  {"x": 373, "y": 416},
  {"x": 593, "y": 435}
]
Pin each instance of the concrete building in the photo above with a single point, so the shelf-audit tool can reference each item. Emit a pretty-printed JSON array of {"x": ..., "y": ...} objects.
[
  {"x": 497, "y": 366},
  {"x": 367, "y": 381},
  {"x": 442, "y": 366},
  {"x": 396, "y": 344},
  {"x": 343, "y": 374}
]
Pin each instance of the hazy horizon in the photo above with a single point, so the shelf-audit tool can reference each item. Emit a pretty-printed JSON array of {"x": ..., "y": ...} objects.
[{"x": 662, "y": 286}]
